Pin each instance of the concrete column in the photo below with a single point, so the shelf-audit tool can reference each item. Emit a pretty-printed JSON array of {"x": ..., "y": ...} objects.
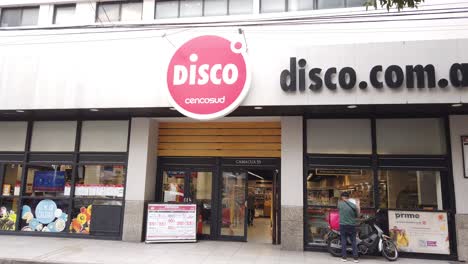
[
  {"x": 292, "y": 199},
  {"x": 141, "y": 176},
  {"x": 46, "y": 14},
  {"x": 458, "y": 128}
]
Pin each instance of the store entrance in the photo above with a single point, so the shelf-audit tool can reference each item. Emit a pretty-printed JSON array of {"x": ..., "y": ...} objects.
[{"x": 224, "y": 189}]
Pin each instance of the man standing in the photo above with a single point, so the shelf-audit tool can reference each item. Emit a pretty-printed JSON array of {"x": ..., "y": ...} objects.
[
  {"x": 348, "y": 214},
  {"x": 251, "y": 207}
]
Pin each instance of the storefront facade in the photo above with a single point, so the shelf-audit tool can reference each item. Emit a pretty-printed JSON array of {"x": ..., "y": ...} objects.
[{"x": 377, "y": 109}]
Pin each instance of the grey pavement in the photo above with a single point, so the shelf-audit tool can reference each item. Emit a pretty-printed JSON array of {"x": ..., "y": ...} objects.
[{"x": 28, "y": 250}]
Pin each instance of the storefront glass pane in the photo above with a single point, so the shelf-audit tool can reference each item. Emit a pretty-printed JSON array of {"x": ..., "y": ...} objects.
[
  {"x": 13, "y": 136},
  {"x": 317, "y": 224},
  {"x": 44, "y": 215},
  {"x": 82, "y": 215},
  {"x": 200, "y": 188},
  {"x": 418, "y": 136},
  {"x": 238, "y": 7},
  {"x": 324, "y": 186},
  {"x": 233, "y": 203},
  {"x": 191, "y": 8},
  {"x": 173, "y": 186},
  {"x": 215, "y": 7},
  {"x": 48, "y": 180},
  {"x": 8, "y": 214},
  {"x": 12, "y": 180},
  {"x": 410, "y": 189},
  {"x": 167, "y": 9},
  {"x": 339, "y": 136},
  {"x": 54, "y": 136},
  {"x": 270, "y": 6},
  {"x": 325, "y": 4},
  {"x": 30, "y": 16},
  {"x": 100, "y": 181},
  {"x": 298, "y": 5},
  {"x": 104, "y": 136}
]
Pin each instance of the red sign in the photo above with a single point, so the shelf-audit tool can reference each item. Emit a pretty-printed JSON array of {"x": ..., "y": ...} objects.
[{"x": 208, "y": 77}]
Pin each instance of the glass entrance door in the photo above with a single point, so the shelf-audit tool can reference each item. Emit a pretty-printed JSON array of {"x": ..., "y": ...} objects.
[
  {"x": 233, "y": 209},
  {"x": 191, "y": 186}
]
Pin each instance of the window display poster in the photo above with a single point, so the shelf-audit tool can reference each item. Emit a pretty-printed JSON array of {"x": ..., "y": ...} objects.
[
  {"x": 420, "y": 232},
  {"x": 49, "y": 181},
  {"x": 171, "y": 223}
]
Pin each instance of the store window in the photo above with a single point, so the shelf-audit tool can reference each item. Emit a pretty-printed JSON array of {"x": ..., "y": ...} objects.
[
  {"x": 13, "y": 136},
  {"x": 104, "y": 136},
  {"x": 326, "y": 4},
  {"x": 64, "y": 14},
  {"x": 271, "y": 6},
  {"x": 8, "y": 214},
  {"x": 56, "y": 136},
  {"x": 48, "y": 180},
  {"x": 299, "y": 5},
  {"x": 410, "y": 189},
  {"x": 19, "y": 16},
  {"x": 12, "y": 180},
  {"x": 339, "y": 136},
  {"x": 44, "y": 215},
  {"x": 167, "y": 9},
  {"x": 411, "y": 136},
  {"x": 119, "y": 11},
  {"x": 191, "y": 8},
  {"x": 216, "y": 7},
  {"x": 324, "y": 187},
  {"x": 100, "y": 181},
  {"x": 238, "y": 7}
]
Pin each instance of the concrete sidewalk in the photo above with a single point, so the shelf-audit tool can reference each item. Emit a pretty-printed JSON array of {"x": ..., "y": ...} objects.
[{"x": 15, "y": 249}]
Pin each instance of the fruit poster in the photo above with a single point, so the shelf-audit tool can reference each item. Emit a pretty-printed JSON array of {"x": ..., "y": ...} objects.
[
  {"x": 420, "y": 232},
  {"x": 171, "y": 223}
]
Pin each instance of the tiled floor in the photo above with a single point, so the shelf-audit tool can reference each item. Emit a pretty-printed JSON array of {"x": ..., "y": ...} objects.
[
  {"x": 60, "y": 250},
  {"x": 260, "y": 232}
]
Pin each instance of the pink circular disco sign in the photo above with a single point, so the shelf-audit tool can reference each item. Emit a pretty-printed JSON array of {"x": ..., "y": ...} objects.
[{"x": 208, "y": 77}]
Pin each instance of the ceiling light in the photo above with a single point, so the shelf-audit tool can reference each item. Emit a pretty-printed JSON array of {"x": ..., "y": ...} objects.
[
  {"x": 19, "y": 111},
  {"x": 258, "y": 107},
  {"x": 253, "y": 174},
  {"x": 352, "y": 106},
  {"x": 172, "y": 109},
  {"x": 457, "y": 105},
  {"x": 94, "y": 110}
]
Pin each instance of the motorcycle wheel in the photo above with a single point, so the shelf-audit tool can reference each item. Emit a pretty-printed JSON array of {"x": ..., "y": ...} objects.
[
  {"x": 334, "y": 247},
  {"x": 389, "y": 250}
]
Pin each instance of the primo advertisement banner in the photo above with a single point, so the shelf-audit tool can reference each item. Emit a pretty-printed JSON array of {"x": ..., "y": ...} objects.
[{"x": 420, "y": 232}]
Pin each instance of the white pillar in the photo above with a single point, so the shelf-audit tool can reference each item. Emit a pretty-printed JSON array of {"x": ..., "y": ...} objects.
[
  {"x": 292, "y": 198},
  {"x": 148, "y": 9},
  {"x": 141, "y": 176}
]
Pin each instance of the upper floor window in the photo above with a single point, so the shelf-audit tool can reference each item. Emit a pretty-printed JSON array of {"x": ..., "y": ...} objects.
[
  {"x": 19, "y": 16},
  {"x": 64, "y": 14},
  {"x": 198, "y": 8},
  {"x": 119, "y": 11},
  {"x": 270, "y": 6}
]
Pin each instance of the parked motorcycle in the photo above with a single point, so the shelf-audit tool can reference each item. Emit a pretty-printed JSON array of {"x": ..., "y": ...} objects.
[{"x": 370, "y": 240}]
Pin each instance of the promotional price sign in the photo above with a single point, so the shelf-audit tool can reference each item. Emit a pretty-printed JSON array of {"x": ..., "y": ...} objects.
[
  {"x": 420, "y": 232},
  {"x": 171, "y": 223},
  {"x": 208, "y": 77}
]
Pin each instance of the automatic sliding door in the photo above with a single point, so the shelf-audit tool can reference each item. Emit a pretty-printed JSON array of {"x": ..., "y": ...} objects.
[
  {"x": 233, "y": 208},
  {"x": 201, "y": 194}
]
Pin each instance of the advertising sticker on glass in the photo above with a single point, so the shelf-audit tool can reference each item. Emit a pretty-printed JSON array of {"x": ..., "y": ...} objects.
[{"x": 420, "y": 232}]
